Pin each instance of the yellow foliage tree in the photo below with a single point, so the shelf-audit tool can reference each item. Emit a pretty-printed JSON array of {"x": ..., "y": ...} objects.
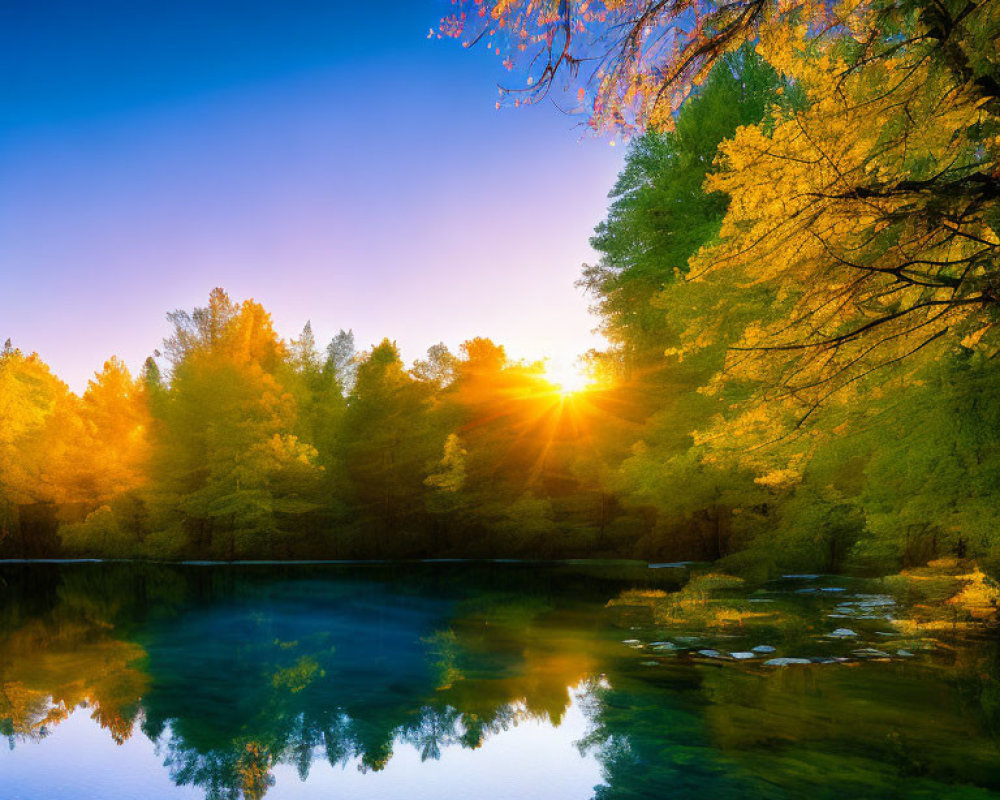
[{"x": 871, "y": 213}]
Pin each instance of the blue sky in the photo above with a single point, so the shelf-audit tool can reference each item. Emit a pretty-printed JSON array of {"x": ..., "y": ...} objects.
[{"x": 330, "y": 162}]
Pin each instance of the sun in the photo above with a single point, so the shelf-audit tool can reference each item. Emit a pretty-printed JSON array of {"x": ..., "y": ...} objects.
[{"x": 566, "y": 378}]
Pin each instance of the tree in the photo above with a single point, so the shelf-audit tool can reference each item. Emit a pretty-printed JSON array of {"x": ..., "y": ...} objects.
[
  {"x": 387, "y": 445},
  {"x": 315, "y": 384},
  {"x": 661, "y": 214},
  {"x": 438, "y": 369},
  {"x": 303, "y": 355},
  {"x": 342, "y": 359},
  {"x": 931, "y": 487},
  {"x": 638, "y": 60},
  {"x": 872, "y": 212},
  {"x": 676, "y": 495},
  {"x": 505, "y": 479},
  {"x": 115, "y": 450},
  {"x": 29, "y": 395},
  {"x": 202, "y": 328},
  {"x": 227, "y": 458}
]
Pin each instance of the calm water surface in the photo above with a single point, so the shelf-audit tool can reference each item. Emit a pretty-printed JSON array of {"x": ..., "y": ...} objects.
[{"x": 480, "y": 681}]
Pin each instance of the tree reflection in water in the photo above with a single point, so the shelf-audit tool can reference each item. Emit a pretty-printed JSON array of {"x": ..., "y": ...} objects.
[{"x": 233, "y": 671}]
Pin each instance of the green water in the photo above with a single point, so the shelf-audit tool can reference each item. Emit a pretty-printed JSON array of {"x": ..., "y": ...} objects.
[{"x": 480, "y": 681}]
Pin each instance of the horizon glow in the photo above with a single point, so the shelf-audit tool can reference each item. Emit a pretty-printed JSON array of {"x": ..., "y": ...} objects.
[{"x": 338, "y": 167}]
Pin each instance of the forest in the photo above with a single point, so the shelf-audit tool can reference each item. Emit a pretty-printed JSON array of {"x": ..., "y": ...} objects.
[{"x": 797, "y": 277}]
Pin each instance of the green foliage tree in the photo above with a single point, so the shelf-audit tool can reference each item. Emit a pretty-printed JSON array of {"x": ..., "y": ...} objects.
[
  {"x": 387, "y": 444},
  {"x": 230, "y": 471},
  {"x": 660, "y": 213}
]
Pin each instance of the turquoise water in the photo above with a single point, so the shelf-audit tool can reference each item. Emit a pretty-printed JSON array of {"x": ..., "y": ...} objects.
[{"x": 481, "y": 681}]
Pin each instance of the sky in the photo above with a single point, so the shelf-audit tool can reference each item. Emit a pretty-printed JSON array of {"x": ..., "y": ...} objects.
[{"x": 324, "y": 158}]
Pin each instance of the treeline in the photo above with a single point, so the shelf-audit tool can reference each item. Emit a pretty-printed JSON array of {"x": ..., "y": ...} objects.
[
  {"x": 255, "y": 447},
  {"x": 762, "y": 401}
]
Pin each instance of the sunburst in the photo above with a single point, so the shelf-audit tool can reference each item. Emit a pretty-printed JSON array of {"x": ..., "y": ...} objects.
[{"x": 567, "y": 379}]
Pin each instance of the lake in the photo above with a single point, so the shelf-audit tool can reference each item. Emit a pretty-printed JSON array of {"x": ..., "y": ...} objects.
[{"x": 482, "y": 680}]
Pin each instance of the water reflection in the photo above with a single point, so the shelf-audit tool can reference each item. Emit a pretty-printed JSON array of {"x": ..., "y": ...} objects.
[{"x": 239, "y": 675}]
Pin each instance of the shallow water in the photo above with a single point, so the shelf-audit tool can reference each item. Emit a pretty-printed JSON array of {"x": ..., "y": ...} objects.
[{"x": 444, "y": 680}]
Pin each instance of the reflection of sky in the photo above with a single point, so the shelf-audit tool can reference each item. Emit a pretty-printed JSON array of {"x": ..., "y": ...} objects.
[
  {"x": 323, "y": 158},
  {"x": 531, "y": 760},
  {"x": 208, "y": 665},
  {"x": 79, "y": 761}
]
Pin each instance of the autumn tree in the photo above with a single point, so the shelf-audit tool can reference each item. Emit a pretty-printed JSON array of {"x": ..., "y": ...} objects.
[
  {"x": 870, "y": 210},
  {"x": 100, "y": 448},
  {"x": 29, "y": 395},
  {"x": 230, "y": 469},
  {"x": 636, "y": 61},
  {"x": 110, "y": 456}
]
